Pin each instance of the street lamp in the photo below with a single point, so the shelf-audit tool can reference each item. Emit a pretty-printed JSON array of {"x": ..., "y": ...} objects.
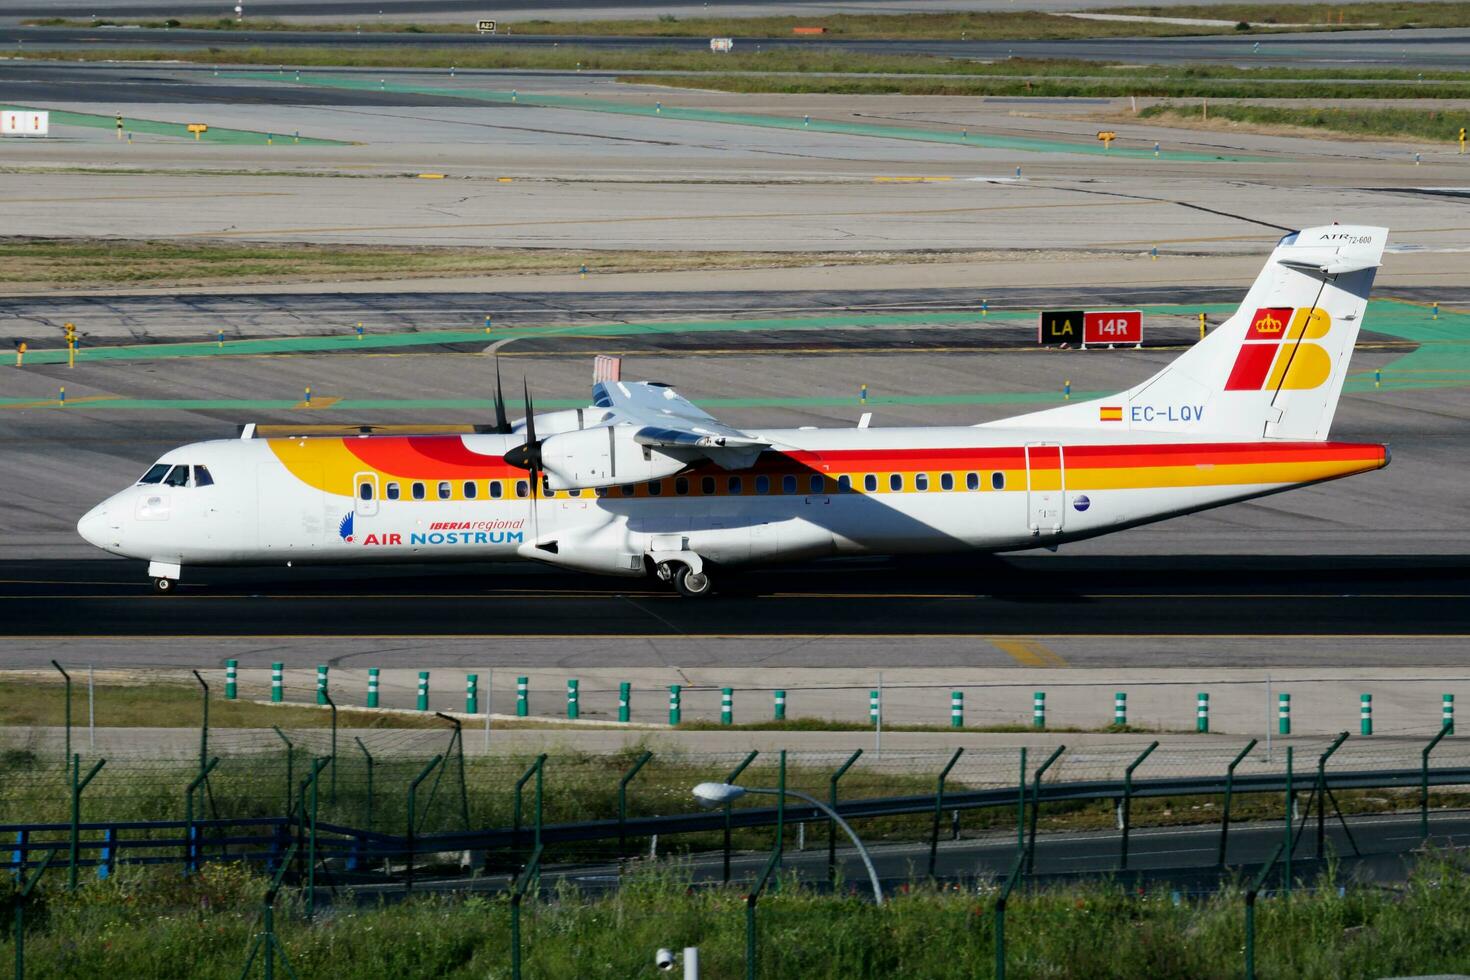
[{"x": 711, "y": 795}]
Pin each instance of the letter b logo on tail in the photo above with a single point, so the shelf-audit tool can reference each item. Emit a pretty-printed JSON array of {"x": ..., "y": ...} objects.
[{"x": 1265, "y": 362}]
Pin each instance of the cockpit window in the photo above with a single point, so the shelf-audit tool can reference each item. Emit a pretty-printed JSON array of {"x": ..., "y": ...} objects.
[
  {"x": 202, "y": 477},
  {"x": 154, "y": 474},
  {"x": 177, "y": 477}
]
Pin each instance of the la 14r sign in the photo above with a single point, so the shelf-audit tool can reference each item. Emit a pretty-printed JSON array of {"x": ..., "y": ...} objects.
[{"x": 1112, "y": 327}]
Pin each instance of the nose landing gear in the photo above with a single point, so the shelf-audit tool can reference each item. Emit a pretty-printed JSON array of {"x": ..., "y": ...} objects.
[
  {"x": 165, "y": 576},
  {"x": 164, "y": 586},
  {"x": 687, "y": 581}
]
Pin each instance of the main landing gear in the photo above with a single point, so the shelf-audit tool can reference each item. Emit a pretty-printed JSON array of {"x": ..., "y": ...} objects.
[{"x": 687, "y": 582}]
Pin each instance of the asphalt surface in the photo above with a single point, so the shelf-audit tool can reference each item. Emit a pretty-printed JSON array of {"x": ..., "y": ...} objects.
[
  {"x": 1307, "y": 596},
  {"x": 1446, "y": 48}
]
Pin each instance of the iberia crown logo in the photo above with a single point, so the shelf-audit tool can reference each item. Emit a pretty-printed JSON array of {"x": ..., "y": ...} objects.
[{"x": 1267, "y": 322}]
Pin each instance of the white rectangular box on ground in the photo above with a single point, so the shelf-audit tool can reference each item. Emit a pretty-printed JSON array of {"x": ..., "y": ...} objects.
[{"x": 24, "y": 122}]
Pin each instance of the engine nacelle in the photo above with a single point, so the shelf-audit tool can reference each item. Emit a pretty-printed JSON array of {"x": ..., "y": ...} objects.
[{"x": 603, "y": 457}]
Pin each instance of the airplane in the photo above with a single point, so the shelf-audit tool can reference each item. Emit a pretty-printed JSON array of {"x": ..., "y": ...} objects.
[{"x": 642, "y": 482}]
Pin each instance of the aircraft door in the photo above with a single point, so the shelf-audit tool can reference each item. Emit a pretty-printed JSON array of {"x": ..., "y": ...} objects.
[
  {"x": 1046, "y": 484},
  {"x": 365, "y": 492}
]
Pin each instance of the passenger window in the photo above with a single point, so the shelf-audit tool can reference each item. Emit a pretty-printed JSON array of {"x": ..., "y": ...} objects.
[
  {"x": 471, "y": 490},
  {"x": 707, "y": 485},
  {"x": 946, "y": 481},
  {"x": 574, "y": 493},
  {"x": 736, "y": 485},
  {"x": 817, "y": 484},
  {"x": 681, "y": 486},
  {"x": 391, "y": 491},
  {"x": 179, "y": 476},
  {"x": 365, "y": 490},
  {"x": 627, "y": 489},
  {"x": 895, "y": 482},
  {"x": 599, "y": 491},
  {"x": 444, "y": 490},
  {"x": 844, "y": 484},
  {"x": 762, "y": 484},
  {"x": 496, "y": 488},
  {"x": 997, "y": 481},
  {"x": 155, "y": 473},
  {"x": 522, "y": 488},
  {"x": 870, "y": 483},
  {"x": 418, "y": 491},
  {"x": 788, "y": 484},
  {"x": 972, "y": 481},
  {"x": 202, "y": 477},
  {"x": 921, "y": 481},
  {"x": 655, "y": 488},
  {"x": 546, "y": 490}
]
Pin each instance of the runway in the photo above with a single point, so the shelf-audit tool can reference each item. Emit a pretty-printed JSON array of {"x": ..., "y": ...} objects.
[
  {"x": 1446, "y": 48},
  {"x": 1162, "y": 595}
]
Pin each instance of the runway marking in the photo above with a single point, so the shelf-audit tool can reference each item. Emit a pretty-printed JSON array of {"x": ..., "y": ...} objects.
[
  {"x": 155, "y": 197},
  {"x": 1029, "y": 653},
  {"x": 702, "y": 218}
]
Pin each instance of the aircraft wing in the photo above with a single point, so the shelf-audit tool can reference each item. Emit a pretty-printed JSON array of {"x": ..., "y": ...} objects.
[{"x": 666, "y": 419}]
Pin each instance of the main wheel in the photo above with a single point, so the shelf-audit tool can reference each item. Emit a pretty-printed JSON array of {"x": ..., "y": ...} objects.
[
  {"x": 692, "y": 584},
  {"x": 164, "y": 586}
]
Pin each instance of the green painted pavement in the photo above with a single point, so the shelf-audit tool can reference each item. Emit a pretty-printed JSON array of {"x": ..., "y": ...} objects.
[
  {"x": 214, "y": 134},
  {"x": 585, "y": 104}
]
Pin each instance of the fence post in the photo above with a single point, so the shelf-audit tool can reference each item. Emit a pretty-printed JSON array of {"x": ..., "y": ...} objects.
[
  {"x": 290, "y": 760},
  {"x": 1289, "y": 844},
  {"x": 523, "y": 697},
  {"x": 1000, "y": 918},
  {"x": 1365, "y": 712},
  {"x": 67, "y": 679},
  {"x": 191, "y": 848},
  {"x": 372, "y": 690},
  {"x": 1424, "y": 781},
  {"x": 625, "y": 698},
  {"x": 734, "y": 775},
  {"x": 1202, "y": 712},
  {"x": 368, "y": 819},
  {"x": 1021, "y": 806},
  {"x": 1120, "y": 709},
  {"x": 413, "y": 790},
  {"x": 1229, "y": 787},
  {"x": 1250, "y": 913},
  {"x": 623, "y": 800},
  {"x": 939, "y": 808},
  {"x": 1038, "y": 710},
  {"x": 727, "y": 706},
  {"x": 1036, "y": 805},
  {"x": 1448, "y": 721},
  {"x": 277, "y": 684},
  {"x": 779, "y": 706},
  {"x": 1128, "y": 800},
  {"x": 675, "y": 711},
  {"x": 231, "y": 676},
  {"x": 1321, "y": 792},
  {"x": 533, "y": 868},
  {"x": 321, "y": 683},
  {"x": 832, "y": 824},
  {"x": 956, "y": 709},
  {"x": 423, "y": 697},
  {"x": 78, "y": 783},
  {"x": 573, "y": 709},
  {"x": 25, "y": 889},
  {"x": 1283, "y": 719}
]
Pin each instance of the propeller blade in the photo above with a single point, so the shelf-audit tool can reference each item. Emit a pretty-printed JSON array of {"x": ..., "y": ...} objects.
[
  {"x": 502, "y": 424},
  {"x": 530, "y": 413}
]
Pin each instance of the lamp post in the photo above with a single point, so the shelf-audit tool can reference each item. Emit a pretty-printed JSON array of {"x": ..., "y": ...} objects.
[{"x": 712, "y": 795}]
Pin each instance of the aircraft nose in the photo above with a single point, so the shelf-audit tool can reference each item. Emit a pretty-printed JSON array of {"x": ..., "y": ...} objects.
[{"x": 93, "y": 526}]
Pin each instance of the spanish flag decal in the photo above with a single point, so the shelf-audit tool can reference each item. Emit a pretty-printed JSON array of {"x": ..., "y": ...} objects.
[{"x": 1110, "y": 413}]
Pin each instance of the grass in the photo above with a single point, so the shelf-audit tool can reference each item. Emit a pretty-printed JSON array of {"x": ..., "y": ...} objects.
[
  {"x": 1441, "y": 126},
  {"x": 1401, "y": 14},
  {"x": 155, "y": 924},
  {"x": 88, "y": 263}
]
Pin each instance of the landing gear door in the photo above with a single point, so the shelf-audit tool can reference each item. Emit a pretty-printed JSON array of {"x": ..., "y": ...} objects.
[
  {"x": 365, "y": 493},
  {"x": 1046, "y": 485}
]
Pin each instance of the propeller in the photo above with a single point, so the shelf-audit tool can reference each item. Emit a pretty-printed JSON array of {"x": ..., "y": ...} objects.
[
  {"x": 502, "y": 424},
  {"x": 528, "y": 457}
]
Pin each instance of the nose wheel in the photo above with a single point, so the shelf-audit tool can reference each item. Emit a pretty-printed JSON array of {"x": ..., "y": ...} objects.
[
  {"x": 687, "y": 582},
  {"x": 164, "y": 586}
]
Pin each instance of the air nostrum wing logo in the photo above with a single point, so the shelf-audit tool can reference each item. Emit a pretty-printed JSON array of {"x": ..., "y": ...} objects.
[
  {"x": 1264, "y": 362},
  {"x": 345, "y": 528}
]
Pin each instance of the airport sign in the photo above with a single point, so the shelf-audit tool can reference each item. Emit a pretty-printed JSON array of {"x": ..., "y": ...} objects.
[
  {"x": 721, "y": 44},
  {"x": 1112, "y": 327},
  {"x": 485, "y": 26},
  {"x": 1060, "y": 327}
]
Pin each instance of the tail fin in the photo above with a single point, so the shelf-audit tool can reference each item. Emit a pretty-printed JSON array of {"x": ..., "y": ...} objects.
[{"x": 1275, "y": 369}]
